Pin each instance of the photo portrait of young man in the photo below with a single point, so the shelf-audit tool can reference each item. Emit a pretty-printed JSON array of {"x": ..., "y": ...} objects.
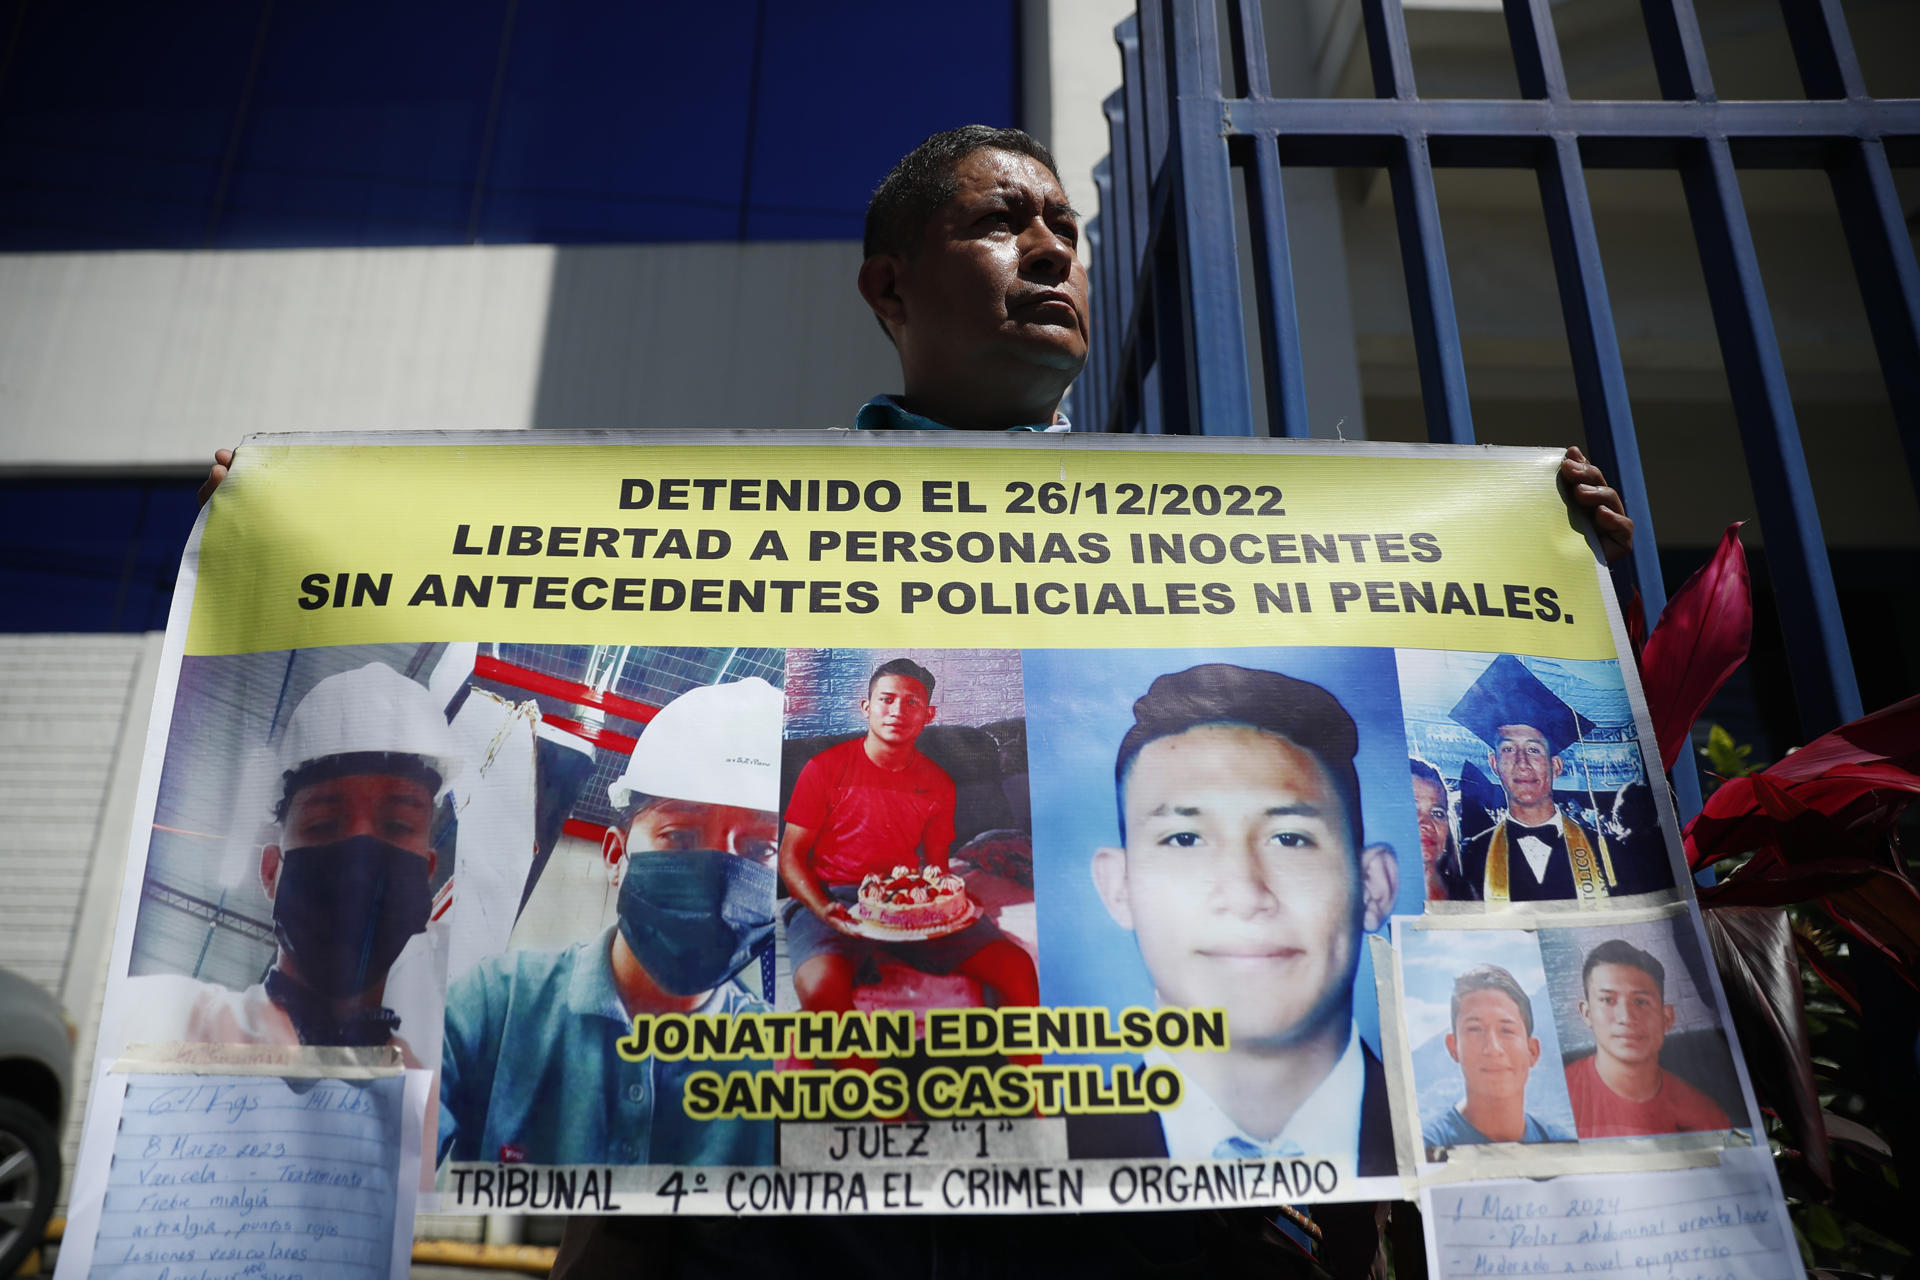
[
  {"x": 530, "y": 1069},
  {"x": 869, "y": 806},
  {"x": 1244, "y": 875},
  {"x": 363, "y": 762},
  {"x": 1493, "y": 1042},
  {"x": 1552, "y": 839},
  {"x": 1622, "y": 1090}
]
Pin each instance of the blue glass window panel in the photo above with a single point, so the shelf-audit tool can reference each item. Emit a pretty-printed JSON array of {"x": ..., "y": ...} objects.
[
  {"x": 303, "y": 124},
  {"x": 91, "y": 555},
  {"x": 621, "y": 123},
  {"x": 847, "y": 89},
  {"x": 366, "y": 124},
  {"x": 114, "y": 119}
]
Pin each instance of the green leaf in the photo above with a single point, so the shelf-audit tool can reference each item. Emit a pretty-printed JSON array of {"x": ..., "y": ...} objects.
[
  {"x": 1822, "y": 1228},
  {"x": 1728, "y": 758}
]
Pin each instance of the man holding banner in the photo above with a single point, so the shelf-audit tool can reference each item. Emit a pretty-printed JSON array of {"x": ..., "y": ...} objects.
[{"x": 972, "y": 269}]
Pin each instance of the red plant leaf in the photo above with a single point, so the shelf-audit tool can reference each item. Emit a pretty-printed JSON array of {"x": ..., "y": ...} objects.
[
  {"x": 1888, "y": 736},
  {"x": 1753, "y": 950},
  {"x": 1830, "y": 973},
  {"x": 1782, "y": 885},
  {"x": 1884, "y": 915},
  {"x": 1636, "y": 624},
  {"x": 1702, "y": 636}
]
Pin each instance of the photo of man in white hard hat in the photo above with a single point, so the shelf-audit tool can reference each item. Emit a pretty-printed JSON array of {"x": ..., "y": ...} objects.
[
  {"x": 363, "y": 763},
  {"x": 529, "y": 1069}
]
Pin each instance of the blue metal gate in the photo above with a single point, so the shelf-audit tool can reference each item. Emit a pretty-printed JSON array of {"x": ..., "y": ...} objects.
[{"x": 1171, "y": 356}]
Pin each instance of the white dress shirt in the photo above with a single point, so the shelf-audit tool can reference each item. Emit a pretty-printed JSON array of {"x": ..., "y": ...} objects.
[{"x": 1326, "y": 1125}]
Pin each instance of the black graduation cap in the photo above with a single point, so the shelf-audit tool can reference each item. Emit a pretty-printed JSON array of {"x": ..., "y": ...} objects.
[{"x": 1508, "y": 693}]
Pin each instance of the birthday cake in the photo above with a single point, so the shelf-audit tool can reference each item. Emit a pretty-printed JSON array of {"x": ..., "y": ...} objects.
[{"x": 913, "y": 898}]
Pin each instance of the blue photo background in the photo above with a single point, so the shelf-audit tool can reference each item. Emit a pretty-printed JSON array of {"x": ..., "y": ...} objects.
[
  {"x": 1079, "y": 706},
  {"x": 1430, "y": 960}
]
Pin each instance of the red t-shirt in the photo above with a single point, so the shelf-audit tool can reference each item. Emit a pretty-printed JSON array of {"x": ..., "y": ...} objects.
[
  {"x": 1678, "y": 1107},
  {"x": 870, "y": 820}
]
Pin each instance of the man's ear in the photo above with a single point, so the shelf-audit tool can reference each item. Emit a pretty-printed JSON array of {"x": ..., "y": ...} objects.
[
  {"x": 1668, "y": 1028},
  {"x": 1533, "y": 1051},
  {"x": 1110, "y": 880},
  {"x": 1379, "y": 884},
  {"x": 1583, "y": 1015},
  {"x": 879, "y": 282},
  {"x": 270, "y": 869},
  {"x": 1559, "y": 766},
  {"x": 1453, "y": 1047},
  {"x": 613, "y": 852}
]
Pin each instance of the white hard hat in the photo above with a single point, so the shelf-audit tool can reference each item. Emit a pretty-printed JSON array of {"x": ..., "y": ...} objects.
[
  {"x": 718, "y": 744},
  {"x": 374, "y": 708}
]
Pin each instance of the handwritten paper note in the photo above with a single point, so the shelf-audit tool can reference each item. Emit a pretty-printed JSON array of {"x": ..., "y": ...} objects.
[
  {"x": 1695, "y": 1224},
  {"x": 248, "y": 1178}
]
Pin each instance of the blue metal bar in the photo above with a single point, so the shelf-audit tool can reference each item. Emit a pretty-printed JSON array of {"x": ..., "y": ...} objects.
[
  {"x": 1247, "y": 41},
  {"x": 1797, "y": 556},
  {"x": 1601, "y": 382},
  {"x": 1387, "y": 50},
  {"x": 1259, "y": 159},
  {"x": 1220, "y": 401},
  {"x": 1128, "y": 219},
  {"x": 1877, "y": 236},
  {"x": 1156, "y": 88},
  {"x": 1536, "y": 50},
  {"x": 1824, "y": 51},
  {"x": 1870, "y": 215},
  {"x": 1280, "y": 360},
  {"x": 1623, "y": 135},
  {"x": 1416, "y": 210},
  {"x": 1090, "y": 387},
  {"x": 1436, "y": 330},
  {"x": 1679, "y": 54},
  {"x": 1134, "y": 176}
]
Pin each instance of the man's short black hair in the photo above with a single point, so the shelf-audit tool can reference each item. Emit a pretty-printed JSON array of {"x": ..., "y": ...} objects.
[
  {"x": 327, "y": 768},
  {"x": 902, "y": 667},
  {"x": 1490, "y": 977},
  {"x": 923, "y": 180},
  {"x": 1220, "y": 693},
  {"x": 1620, "y": 951}
]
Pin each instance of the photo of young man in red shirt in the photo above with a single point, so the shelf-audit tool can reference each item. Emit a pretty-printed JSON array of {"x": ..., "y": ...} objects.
[
  {"x": 866, "y": 807},
  {"x": 1621, "y": 1090}
]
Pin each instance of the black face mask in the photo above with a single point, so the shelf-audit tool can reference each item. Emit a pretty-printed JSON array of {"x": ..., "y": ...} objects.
[
  {"x": 344, "y": 911},
  {"x": 695, "y": 919}
]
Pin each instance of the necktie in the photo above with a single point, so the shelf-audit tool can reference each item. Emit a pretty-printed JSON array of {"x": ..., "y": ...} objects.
[{"x": 1236, "y": 1147}]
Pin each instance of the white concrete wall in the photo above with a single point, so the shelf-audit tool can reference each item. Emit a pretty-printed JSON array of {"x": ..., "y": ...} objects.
[
  {"x": 155, "y": 359},
  {"x": 73, "y": 729}
]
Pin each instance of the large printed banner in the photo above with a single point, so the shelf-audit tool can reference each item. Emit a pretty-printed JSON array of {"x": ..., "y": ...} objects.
[{"x": 828, "y": 823}]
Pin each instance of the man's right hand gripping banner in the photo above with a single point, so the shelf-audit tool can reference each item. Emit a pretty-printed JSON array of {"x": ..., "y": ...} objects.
[{"x": 774, "y": 823}]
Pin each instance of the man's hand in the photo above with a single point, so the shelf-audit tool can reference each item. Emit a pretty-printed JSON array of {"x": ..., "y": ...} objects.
[
  {"x": 840, "y": 918},
  {"x": 1590, "y": 489},
  {"x": 222, "y": 459}
]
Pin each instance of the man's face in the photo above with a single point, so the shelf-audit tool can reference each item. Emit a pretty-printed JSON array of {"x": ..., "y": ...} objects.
[
  {"x": 1491, "y": 1043},
  {"x": 897, "y": 708},
  {"x": 1527, "y": 767},
  {"x": 680, "y": 826},
  {"x": 1430, "y": 803},
  {"x": 1626, "y": 1013},
  {"x": 396, "y": 810},
  {"x": 1240, "y": 882},
  {"x": 996, "y": 278}
]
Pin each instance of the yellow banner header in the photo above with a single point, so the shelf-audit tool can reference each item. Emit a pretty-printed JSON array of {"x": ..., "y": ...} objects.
[{"x": 830, "y": 540}]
